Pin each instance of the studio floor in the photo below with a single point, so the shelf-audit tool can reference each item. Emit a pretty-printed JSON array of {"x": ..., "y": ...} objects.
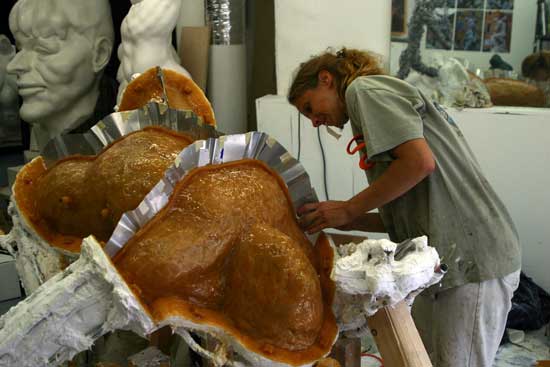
[
  {"x": 534, "y": 347},
  {"x": 525, "y": 352}
]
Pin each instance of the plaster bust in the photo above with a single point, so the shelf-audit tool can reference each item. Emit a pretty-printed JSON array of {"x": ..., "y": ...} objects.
[
  {"x": 63, "y": 47},
  {"x": 146, "y": 34},
  {"x": 9, "y": 117},
  {"x": 7, "y": 53}
]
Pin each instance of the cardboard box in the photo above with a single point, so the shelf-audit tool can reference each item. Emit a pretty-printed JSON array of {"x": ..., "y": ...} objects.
[
  {"x": 194, "y": 49},
  {"x": 9, "y": 279}
]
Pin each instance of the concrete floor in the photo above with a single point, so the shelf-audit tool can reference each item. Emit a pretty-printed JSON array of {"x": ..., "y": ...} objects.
[{"x": 535, "y": 346}]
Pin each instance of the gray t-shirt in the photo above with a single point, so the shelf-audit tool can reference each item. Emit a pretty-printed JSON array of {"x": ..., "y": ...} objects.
[{"x": 455, "y": 206}]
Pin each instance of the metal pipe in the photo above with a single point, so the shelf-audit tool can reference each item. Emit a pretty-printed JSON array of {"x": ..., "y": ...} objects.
[{"x": 226, "y": 20}]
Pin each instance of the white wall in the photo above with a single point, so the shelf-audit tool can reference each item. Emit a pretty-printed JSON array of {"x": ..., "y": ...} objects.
[
  {"x": 307, "y": 27},
  {"x": 281, "y": 121},
  {"x": 192, "y": 14},
  {"x": 511, "y": 144},
  {"x": 523, "y": 36}
]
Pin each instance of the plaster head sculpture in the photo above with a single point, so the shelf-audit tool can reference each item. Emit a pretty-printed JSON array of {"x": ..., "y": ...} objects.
[
  {"x": 146, "y": 34},
  {"x": 9, "y": 117},
  {"x": 7, "y": 53},
  {"x": 64, "y": 45}
]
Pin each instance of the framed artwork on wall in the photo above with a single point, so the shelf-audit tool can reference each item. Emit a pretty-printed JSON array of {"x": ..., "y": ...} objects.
[
  {"x": 498, "y": 31},
  {"x": 399, "y": 18},
  {"x": 468, "y": 30},
  {"x": 470, "y": 4},
  {"x": 472, "y": 25},
  {"x": 439, "y": 34}
]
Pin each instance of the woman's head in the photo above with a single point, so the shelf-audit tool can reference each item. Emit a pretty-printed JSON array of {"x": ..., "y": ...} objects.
[{"x": 320, "y": 84}]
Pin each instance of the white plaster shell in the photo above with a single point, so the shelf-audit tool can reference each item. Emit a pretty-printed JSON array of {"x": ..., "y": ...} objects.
[
  {"x": 88, "y": 299},
  {"x": 35, "y": 260},
  {"x": 69, "y": 312},
  {"x": 368, "y": 277}
]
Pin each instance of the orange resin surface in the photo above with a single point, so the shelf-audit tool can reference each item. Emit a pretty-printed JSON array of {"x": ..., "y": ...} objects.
[
  {"x": 227, "y": 251},
  {"x": 79, "y": 195},
  {"x": 183, "y": 94}
]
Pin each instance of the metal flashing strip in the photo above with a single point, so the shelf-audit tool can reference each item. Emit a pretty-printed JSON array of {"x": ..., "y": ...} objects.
[{"x": 119, "y": 124}]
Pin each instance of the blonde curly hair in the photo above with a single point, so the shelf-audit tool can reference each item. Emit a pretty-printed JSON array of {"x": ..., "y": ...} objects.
[{"x": 345, "y": 65}]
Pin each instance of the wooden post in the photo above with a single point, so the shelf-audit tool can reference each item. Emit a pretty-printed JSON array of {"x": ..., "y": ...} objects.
[
  {"x": 347, "y": 351},
  {"x": 397, "y": 338},
  {"x": 162, "y": 339}
]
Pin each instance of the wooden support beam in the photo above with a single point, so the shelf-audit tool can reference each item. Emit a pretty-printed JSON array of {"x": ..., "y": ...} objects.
[
  {"x": 347, "y": 351},
  {"x": 397, "y": 338}
]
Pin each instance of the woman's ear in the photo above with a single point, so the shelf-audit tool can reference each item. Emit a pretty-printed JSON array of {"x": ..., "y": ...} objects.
[{"x": 325, "y": 78}]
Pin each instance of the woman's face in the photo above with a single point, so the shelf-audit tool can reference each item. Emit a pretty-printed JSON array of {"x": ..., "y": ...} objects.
[{"x": 322, "y": 105}]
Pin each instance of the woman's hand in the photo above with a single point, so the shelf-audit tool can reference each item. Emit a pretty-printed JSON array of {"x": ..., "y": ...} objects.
[{"x": 328, "y": 214}]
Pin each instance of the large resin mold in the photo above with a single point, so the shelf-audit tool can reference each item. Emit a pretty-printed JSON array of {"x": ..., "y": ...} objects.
[
  {"x": 279, "y": 243},
  {"x": 41, "y": 252}
]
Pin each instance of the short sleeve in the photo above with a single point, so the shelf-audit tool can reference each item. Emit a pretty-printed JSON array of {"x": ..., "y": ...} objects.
[{"x": 387, "y": 119}]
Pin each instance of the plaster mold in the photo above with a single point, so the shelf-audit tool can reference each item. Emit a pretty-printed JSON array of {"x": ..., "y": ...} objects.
[
  {"x": 226, "y": 149},
  {"x": 378, "y": 273},
  {"x": 87, "y": 300},
  {"x": 35, "y": 260},
  {"x": 90, "y": 297},
  {"x": 69, "y": 312}
]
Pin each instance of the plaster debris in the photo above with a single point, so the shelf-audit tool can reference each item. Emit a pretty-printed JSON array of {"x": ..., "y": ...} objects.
[
  {"x": 378, "y": 273},
  {"x": 150, "y": 357},
  {"x": 88, "y": 299},
  {"x": 453, "y": 87},
  {"x": 69, "y": 312},
  {"x": 35, "y": 260}
]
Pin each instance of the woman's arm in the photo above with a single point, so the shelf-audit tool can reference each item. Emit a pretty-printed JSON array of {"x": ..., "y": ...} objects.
[
  {"x": 413, "y": 162},
  {"x": 367, "y": 222}
]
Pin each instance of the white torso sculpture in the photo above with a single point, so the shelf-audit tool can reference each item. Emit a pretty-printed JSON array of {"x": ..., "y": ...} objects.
[
  {"x": 146, "y": 34},
  {"x": 64, "y": 45}
]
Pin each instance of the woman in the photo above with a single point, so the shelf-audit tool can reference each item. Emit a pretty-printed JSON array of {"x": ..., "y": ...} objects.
[{"x": 424, "y": 180}]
